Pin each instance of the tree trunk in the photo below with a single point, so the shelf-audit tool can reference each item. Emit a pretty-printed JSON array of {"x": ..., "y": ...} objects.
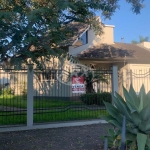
[{"x": 89, "y": 87}]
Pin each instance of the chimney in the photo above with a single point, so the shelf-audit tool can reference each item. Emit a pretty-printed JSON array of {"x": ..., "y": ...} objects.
[{"x": 122, "y": 40}]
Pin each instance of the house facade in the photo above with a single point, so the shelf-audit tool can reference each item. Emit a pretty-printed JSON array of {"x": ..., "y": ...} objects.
[
  {"x": 132, "y": 60},
  {"x": 96, "y": 52}
]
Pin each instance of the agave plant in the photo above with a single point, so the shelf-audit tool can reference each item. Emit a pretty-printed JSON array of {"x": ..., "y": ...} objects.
[
  {"x": 136, "y": 109},
  {"x": 113, "y": 137}
]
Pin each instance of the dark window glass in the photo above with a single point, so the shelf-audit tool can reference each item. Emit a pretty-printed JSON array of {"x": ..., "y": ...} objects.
[
  {"x": 49, "y": 75},
  {"x": 82, "y": 40}
]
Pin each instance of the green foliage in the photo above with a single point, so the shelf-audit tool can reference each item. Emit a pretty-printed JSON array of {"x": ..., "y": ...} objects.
[
  {"x": 12, "y": 118},
  {"x": 137, "y": 112},
  {"x": 141, "y": 39},
  {"x": 8, "y": 91},
  {"x": 24, "y": 90},
  {"x": 91, "y": 77},
  {"x": 96, "y": 98},
  {"x": 36, "y": 28},
  {"x": 114, "y": 138}
]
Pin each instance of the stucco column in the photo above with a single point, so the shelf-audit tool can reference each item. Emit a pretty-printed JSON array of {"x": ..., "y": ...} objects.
[
  {"x": 30, "y": 96},
  {"x": 114, "y": 79}
]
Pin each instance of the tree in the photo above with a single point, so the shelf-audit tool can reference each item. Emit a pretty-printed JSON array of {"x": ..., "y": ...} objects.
[
  {"x": 91, "y": 77},
  {"x": 141, "y": 39},
  {"x": 36, "y": 28}
]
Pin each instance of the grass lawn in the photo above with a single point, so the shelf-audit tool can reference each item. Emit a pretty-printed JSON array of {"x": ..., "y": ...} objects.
[
  {"x": 21, "y": 102},
  {"x": 40, "y": 116},
  {"x": 69, "y": 115}
]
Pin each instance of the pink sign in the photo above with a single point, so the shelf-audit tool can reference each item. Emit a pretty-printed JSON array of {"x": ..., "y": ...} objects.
[{"x": 78, "y": 85}]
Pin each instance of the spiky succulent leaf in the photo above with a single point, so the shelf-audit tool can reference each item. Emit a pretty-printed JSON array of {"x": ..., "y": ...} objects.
[
  {"x": 136, "y": 118},
  {"x": 121, "y": 106},
  {"x": 148, "y": 125},
  {"x": 142, "y": 95},
  {"x": 141, "y": 141},
  {"x": 107, "y": 118},
  {"x": 113, "y": 137},
  {"x": 134, "y": 96},
  {"x": 116, "y": 124},
  {"x": 142, "y": 92},
  {"x": 137, "y": 111},
  {"x": 147, "y": 132},
  {"x": 130, "y": 136},
  {"x": 148, "y": 142},
  {"x": 142, "y": 126},
  {"x": 132, "y": 130},
  {"x": 118, "y": 132},
  {"x": 146, "y": 100},
  {"x": 145, "y": 112},
  {"x": 127, "y": 95},
  {"x": 111, "y": 132},
  {"x": 114, "y": 112},
  {"x": 130, "y": 101}
]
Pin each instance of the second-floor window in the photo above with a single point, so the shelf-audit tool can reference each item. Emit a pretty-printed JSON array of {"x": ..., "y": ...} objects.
[{"x": 82, "y": 40}]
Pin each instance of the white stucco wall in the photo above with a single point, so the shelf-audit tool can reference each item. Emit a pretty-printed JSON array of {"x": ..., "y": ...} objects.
[{"x": 145, "y": 44}]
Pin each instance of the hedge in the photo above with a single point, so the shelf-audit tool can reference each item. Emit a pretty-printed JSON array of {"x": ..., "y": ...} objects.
[{"x": 96, "y": 98}]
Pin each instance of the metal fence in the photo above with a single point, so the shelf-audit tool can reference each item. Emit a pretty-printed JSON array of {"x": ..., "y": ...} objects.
[
  {"x": 13, "y": 95},
  {"x": 136, "y": 77},
  {"x": 53, "y": 99}
]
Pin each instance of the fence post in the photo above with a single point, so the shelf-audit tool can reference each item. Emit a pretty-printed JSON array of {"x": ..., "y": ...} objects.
[
  {"x": 30, "y": 96},
  {"x": 130, "y": 76},
  {"x": 114, "y": 79}
]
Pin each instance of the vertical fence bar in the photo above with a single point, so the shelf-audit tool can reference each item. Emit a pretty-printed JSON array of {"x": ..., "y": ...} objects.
[
  {"x": 30, "y": 96},
  {"x": 131, "y": 80},
  {"x": 114, "y": 79},
  {"x": 123, "y": 134},
  {"x": 106, "y": 144}
]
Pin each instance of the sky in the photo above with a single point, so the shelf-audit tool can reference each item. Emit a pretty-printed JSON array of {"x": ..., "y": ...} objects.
[{"x": 128, "y": 25}]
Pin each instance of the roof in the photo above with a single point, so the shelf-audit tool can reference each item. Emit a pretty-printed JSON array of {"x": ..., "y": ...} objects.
[
  {"x": 78, "y": 29},
  {"x": 131, "y": 53}
]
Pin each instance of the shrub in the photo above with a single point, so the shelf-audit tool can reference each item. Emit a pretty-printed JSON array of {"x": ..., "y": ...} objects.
[
  {"x": 96, "y": 98},
  {"x": 136, "y": 109},
  {"x": 24, "y": 90},
  {"x": 7, "y": 91}
]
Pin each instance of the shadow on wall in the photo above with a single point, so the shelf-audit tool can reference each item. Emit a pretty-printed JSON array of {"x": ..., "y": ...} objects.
[
  {"x": 4, "y": 82},
  {"x": 52, "y": 88}
]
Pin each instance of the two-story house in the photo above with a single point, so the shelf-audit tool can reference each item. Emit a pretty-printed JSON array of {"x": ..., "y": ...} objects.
[
  {"x": 133, "y": 60},
  {"x": 96, "y": 52}
]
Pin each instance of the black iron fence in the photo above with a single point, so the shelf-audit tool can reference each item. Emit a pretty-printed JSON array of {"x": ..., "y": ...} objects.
[
  {"x": 53, "y": 96},
  {"x": 55, "y": 101},
  {"x": 13, "y": 96}
]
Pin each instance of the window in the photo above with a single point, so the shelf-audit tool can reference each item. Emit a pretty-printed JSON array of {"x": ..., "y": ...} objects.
[
  {"x": 49, "y": 75},
  {"x": 82, "y": 40},
  {"x": 92, "y": 66}
]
